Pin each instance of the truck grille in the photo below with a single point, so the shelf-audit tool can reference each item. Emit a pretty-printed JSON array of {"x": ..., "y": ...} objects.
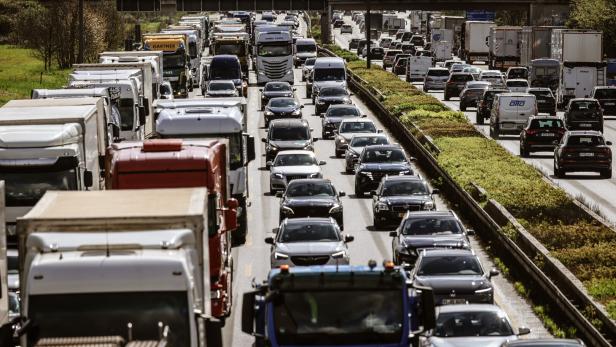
[
  {"x": 275, "y": 70},
  {"x": 310, "y": 260}
]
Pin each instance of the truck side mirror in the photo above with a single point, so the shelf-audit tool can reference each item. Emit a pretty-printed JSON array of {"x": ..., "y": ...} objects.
[
  {"x": 88, "y": 179},
  {"x": 142, "y": 115},
  {"x": 250, "y": 144}
]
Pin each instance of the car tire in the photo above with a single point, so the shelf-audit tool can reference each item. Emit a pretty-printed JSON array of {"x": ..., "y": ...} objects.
[
  {"x": 338, "y": 154},
  {"x": 524, "y": 152},
  {"x": 606, "y": 173},
  {"x": 376, "y": 224},
  {"x": 358, "y": 192},
  {"x": 446, "y": 97},
  {"x": 479, "y": 119},
  {"x": 462, "y": 107},
  {"x": 558, "y": 172}
]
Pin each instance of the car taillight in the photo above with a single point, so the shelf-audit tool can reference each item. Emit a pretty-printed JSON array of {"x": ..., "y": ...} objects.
[
  {"x": 605, "y": 151},
  {"x": 532, "y": 132}
]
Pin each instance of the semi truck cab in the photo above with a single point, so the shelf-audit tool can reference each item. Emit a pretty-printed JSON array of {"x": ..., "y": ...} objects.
[
  {"x": 176, "y": 61},
  {"x": 274, "y": 57}
]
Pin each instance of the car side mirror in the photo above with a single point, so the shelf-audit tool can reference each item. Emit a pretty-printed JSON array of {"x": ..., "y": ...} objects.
[
  {"x": 279, "y": 194},
  {"x": 364, "y": 115},
  {"x": 609, "y": 143},
  {"x": 341, "y": 193},
  {"x": 436, "y": 191},
  {"x": 349, "y": 238},
  {"x": 373, "y": 193},
  {"x": 88, "y": 179},
  {"x": 494, "y": 272},
  {"x": 470, "y": 232},
  {"x": 269, "y": 240},
  {"x": 393, "y": 233},
  {"x": 301, "y": 106},
  {"x": 264, "y": 140},
  {"x": 322, "y": 162},
  {"x": 523, "y": 331}
]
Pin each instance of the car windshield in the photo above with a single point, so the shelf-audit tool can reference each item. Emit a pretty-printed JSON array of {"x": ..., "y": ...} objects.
[
  {"x": 342, "y": 112},
  {"x": 290, "y": 133},
  {"x": 295, "y": 160},
  {"x": 333, "y": 92},
  {"x": 586, "y": 141},
  {"x": 216, "y": 86},
  {"x": 546, "y": 123},
  {"x": 357, "y": 127},
  {"x": 461, "y": 78},
  {"x": 26, "y": 188},
  {"x": 393, "y": 188},
  {"x": 449, "y": 265},
  {"x": 368, "y": 141},
  {"x": 605, "y": 93},
  {"x": 383, "y": 156},
  {"x": 339, "y": 317},
  {"x": 431, "y": 226},
  {"x": 283, "y": 102},
  {"x": 438, "y": 73},
  {"x": 310, "y": 189},
  {"x": 472, "y": 324},
  {"x": 274, "y": 50},
  {"x": 336, "y": 74},
  {"x": 306, "y": 48},
  {"x": 305, "y": 232},
  {"x": 277, "y": 87}
]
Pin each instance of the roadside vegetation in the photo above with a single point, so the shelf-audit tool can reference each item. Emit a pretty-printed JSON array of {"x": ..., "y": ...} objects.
[{"x": 584, "y": 246}]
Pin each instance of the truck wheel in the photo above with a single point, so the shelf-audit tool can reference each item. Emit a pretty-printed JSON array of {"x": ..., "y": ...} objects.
[{"x": 213, "y": 334}]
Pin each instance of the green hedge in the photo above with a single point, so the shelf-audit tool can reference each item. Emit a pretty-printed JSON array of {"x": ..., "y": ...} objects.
[{"x": 586, "y": 247}]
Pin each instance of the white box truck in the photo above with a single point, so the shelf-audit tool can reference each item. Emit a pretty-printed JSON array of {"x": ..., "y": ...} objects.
[
  {"x": 441, "y": 50},
  {"x": 155, "y": 58},
  {"x": 49, "y": 144},
  {"x": 476, "y": 41},
  {"x": 504, "y": 42},
  {"x": 581, "y": 55},
  {"x": 417, "y": 68},
  {"x": 442, "y": 35},
  {"x": 120, "y": 266}
]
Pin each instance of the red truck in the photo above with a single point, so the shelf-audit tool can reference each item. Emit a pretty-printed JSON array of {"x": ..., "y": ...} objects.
[{"x": 176, "y": 163}]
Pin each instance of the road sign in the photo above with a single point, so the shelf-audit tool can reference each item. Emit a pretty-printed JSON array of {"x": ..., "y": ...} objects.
[{"x": 480, "y": 15}]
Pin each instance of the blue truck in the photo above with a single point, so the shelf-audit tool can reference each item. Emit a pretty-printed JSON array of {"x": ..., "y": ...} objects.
[{"x": 348, "y": 305}]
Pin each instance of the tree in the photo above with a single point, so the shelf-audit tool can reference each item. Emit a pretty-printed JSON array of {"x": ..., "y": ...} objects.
[{"x": 597, "y": 15}]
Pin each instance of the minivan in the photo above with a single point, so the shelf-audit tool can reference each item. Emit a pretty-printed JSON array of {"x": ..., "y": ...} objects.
[
  {"x": 326, "y": 71},
  {"x": 510, "y": 113}
]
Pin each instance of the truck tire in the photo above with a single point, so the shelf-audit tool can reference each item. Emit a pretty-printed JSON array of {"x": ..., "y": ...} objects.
[{"x": 213, "y": 334}]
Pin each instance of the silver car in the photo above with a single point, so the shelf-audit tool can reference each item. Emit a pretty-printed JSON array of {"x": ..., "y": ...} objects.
[
  {"x": 436, "y": 78},
  {"x": 290, "y": 165},
  {"x": 309, "y": 241},
  {"x": 347, "y": 129},
  {"x": 307, "y": 68},
  {"x": 472, "y": 325},
  {"x": 357, "y": 144}
]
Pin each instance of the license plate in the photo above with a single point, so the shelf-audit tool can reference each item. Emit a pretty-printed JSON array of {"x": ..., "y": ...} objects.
[
  {"x": 453, "y": 301},
  {"x": 541, "y": 101},
  {"x": 587, "y": 154},
  {"x": 610, "y": 103},
  {"x": 547, "y": 134},
  {"x": 585, "y": 125}
]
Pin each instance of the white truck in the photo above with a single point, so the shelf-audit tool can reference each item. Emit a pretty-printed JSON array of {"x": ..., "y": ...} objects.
[
  {"x": 121, "y": 267},
  {"x": 442, "y": 35},
  {"x": 535, "y": 43},
  {"x": 417, "y": 68},
  {"x": 274, "y": 57},
  {"x": 155, "y": 58},
  {"x": 504, "y": 42},
  {"x": 50, "y": 144},
  {"x": 391, "y": 23},
  {"x": 476, "y": 41},
  {"x": 581, "y": 55},
  {"x": 126, "y": 83},
  {"x": 441, "y": 50}
]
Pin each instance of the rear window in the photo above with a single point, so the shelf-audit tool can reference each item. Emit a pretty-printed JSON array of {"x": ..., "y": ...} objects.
[
  {"x": 585, "y": 141},
  {"x": 585, "y": 106},
  {"x": 605, "y": 93},
  {"x": 546, "y": 123},
  {"x": 438, "y": 73},
  {"x": 541, "y": 93},
  {"x": 517, "y": 84},
  {"x": 461, "y": 78}
]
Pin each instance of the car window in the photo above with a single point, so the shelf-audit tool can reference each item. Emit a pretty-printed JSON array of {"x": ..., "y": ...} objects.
[
  {"x": 541, "y": 93},
  {"x": 546, "y": 123},
  {"x": 357, "y": 127},
  {"x": 368, "y": 141},
  {"x": 383, "y": 156},
  {"x": 342, "y": 112},
  {"x": 393, "y": 188},
  {"x": 459, "y": 324},
  {"x": 517, "y": 84},
  {"x": 310, "y": 189},
  {"x": 431, "y": 226},
  {"x": 449, "y": 265},
  {"x": 584, "y": 106},
  {"x": 585, "y": 141},
  {"x": 301, "y": 232},
  {"x": 214, "y": 86},
  {"x": 605, "y": 93},
  {"x": 295, "y": 160},
  {"x": 289, "y": 133},
  {"x": 438, "y": 73},
  {"x": 461, "y": 78}
]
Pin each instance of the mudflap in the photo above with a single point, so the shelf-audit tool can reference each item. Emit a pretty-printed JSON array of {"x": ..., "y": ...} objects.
[{"x": 213, "y": 333}]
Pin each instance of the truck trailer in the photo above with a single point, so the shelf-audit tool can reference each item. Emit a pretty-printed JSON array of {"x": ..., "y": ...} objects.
[
  {"x": 535, "y": 43},
  {"x": 155, "y": 58},
  {"x": 475, "y": 45},
  {"x": 504, "y": 42}
]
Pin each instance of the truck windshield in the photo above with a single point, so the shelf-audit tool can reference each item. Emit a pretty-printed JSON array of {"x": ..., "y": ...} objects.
[
  {"x": 173, "y": 60},
  {"x": 107, "y": 314},
  {"x": 126, "y": 107},
  {"x": 275, "y": 50},
  {"x": 225, "y": 69},
  {"x": 329, "y": 74},
  {"x": 26, "y": 188},
  {"x": 306, "y": 48},
  {"x": 231, "y": 48},
  {"x": 339, "y": 317}
]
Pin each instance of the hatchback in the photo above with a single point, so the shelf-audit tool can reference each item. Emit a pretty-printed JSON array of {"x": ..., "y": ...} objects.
[
  {"x": 584, "y": 114},
  {"x": 471, "y": 93},
  {"x": 583, "y": 151},
  {"x": 540, "y": 134},
  {"x": 436, "y": 78},
  {"x": 546, "y": 102},
  {"x": 455, "y": 84}
]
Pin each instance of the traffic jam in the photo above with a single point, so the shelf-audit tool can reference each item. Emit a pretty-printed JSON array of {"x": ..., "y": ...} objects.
[{"x": 134, "y": 194}]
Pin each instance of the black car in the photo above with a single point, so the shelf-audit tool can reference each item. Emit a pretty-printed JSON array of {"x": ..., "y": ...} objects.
[
  {"x": 485, "y": 101},
  {"x": 471, "y": 92},
  {"x": 282, "y": 108},
  {"x": 334, "y": 115},
  {"x": 427, "y": 229},
  {"x": 377, "y": 162},
  {"x": 455, "y": 84},
  {"x": 584, "y": 114},
  {"x": 540, "y": 134},
  {"x": 377, "y": 53},
  {"x": 311, "y": 197},
  {"x": 284, "y": 134},
  {"x": 399, "y": 67},
  {"x": 544, "y": 343},
  {"x": 583, "y": 151},
  {"x": 398, "y": 194},
  {"x": 607, "y": 98},
  {"x": 546, "y": 102},
  {"x": 353, "y": 43},
  {"x": 455, "y": 276},
  {"x": 331, "y": 96},
  {"x": 338, "y": 23},
  {"x": 275, "y": 90}
]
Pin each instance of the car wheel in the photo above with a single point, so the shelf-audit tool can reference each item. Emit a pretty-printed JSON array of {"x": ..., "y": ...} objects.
[
  {"x": 524, "y": 153},
  {"x": 446, "y": 97},
  {"x": 462, "y": 107},
  {"x": 339, "y": 154},
  {"x": 558, "y": 172},
  {"x": 358, "y": 192},
  {"x": 606, "y": 173},
  {"x": 479, "y": 119},
  {"x": 377, "y": 224}
]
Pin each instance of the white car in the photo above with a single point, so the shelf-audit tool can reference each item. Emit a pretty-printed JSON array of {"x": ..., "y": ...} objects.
[
  {"x": 493, "y": 76},
  {"x": 349, "y": 128},
  {"x": 517, "y": 85},
  {"x": 290, "y": 165},
  {"x": 510, "y": 113},
  {"x": 346, "y": 29}
]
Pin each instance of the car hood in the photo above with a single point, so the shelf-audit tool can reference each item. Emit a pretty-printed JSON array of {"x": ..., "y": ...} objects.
[
  {"x": 385, "y": 166},
  {"x": 429, "y": 241},
  {"x": 222, "y": 93},
  {"x": 406, "y": 199},
  {"x": 293, "y": 170},
  {"x": 310, "y": 201},
  {"x": 302, "y": 248},
  {"x": 295, "y": 144},
  {"x": 277, "y": 94},
  {"x": 470, "y": 341},
  {"x": 282, "y": 109},
  {"x": 306, "y": 54},
  {"x": 447, "y": 284}
]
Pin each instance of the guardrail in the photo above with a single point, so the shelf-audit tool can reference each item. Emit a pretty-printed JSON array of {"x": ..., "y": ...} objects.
[{"x": 558, "y": 285}]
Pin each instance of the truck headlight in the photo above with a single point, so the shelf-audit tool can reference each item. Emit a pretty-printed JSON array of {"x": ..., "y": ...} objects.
[
  {"x": 428, "y": 205},
  {"x": 382, "y": 206},
  {"x": 280, "y": 256},
  {"x": 335, "y": 209}
]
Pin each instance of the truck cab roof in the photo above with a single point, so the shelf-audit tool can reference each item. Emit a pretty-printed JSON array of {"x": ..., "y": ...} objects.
[
  {"x": 199, "y": 121},
  {"x": 70, "y": 93}
]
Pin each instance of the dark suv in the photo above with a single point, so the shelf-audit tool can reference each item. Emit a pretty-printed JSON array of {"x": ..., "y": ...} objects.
[
  {"x": 455, "y": 84},
  {"x": 540, "y": 134},
  {"x": 583, "y": 151},
  {"x": 331, "y": 96},
  {"x": 284, "y": 134},
  {"x": 334, "y": 115},
  {"x": 484, "y": 103},
  {"x": 584, "y": 114},
  {"x": 377, "y": 162},
  {"x": 546, "y": 102},
  {"x": 607, "y": 99},
  {"x": 311, "y": 197},
  {"x": 275, "y": 90}
]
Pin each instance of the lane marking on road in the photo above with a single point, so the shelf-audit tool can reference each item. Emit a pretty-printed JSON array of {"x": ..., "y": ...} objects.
[{"x": 248, "y": 270}]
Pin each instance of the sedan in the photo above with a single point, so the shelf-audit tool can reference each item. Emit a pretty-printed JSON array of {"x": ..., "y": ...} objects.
[
  {"x": 331, "y": 96},
  {"x": 334, "y": 115},
  {"x": 290, "y": 165},
  {"x": 472, "y": 325},
  {"x": 427, "y": 229},
  {"x": 349, "y": 128},
  {"x": 398, "y": 194},
  {"x": 221, "y": 88},
  {"x": 455, "y": 276},
  {"x": 356, "y": 146},
  {"x": 311, "y": 198},
  {"x": 583, "y": 151},
  {"x": 309, "y": 241},
  {"x": 471, "y": 93},
  {"x": 540, "y": 134},
  {"x": 282, "y": 108},
  {"x": 275, "y": 90}
]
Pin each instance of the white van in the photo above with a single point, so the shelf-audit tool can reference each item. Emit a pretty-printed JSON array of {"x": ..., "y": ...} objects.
[
  {"x": 510, "y": 113},
  {"x": 330, "y": 71}
]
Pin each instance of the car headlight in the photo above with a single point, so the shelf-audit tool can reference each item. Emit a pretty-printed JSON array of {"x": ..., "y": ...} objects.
[
  {"x": 340, "y": 254},
  {"x": 342, "y": 139},
  {"x": 278, "y": 175},
  {"x": 296, "y": 112},
  {"x": 347, "y": 101},
  {"x": 272, "y": 147},
  {"x": 287, "y": 210},
  {"x": 428, "y": 205},
  {"x": 315, "y": 175},
  {"x": 269, "y": 113},
  {"x": 382, "y": 206},
  {"x": 280, "y": 256},
  {"x": 484, "y": 290},
  {"x": 335, "y": 209}
]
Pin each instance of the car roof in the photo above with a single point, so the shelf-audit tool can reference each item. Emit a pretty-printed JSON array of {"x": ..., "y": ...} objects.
[
  {"x": 310, "y": 180},
  {"x": 584, "y": 132},
  {"x": 277, "y": 83},
  {"x": 439, "y": 68},
  {"x": 515, "y": 94},
  {"x": 283, "y": 98},
  {"x": 342, "y": 106},
  {"x": 539, "y": 89},
  {"x": 389, "y": 146},
  {"x": 296, "y": 151},
  {"x": 281, "y": 123},
  {"x": 302, "y": 220},
  {"x": 402, "y": 178},
  {"x": 517, "y": 80},
  {"x": 357, "y": 120},
  {"x": 544, "y": 342},
  {"x": 469, "y": 308},
  {"x": 543, "y": 117},
  {"x": 584, "y": 99},
  {"x": 442, "y": 213},
  {"x": 446, "y": 252}
]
